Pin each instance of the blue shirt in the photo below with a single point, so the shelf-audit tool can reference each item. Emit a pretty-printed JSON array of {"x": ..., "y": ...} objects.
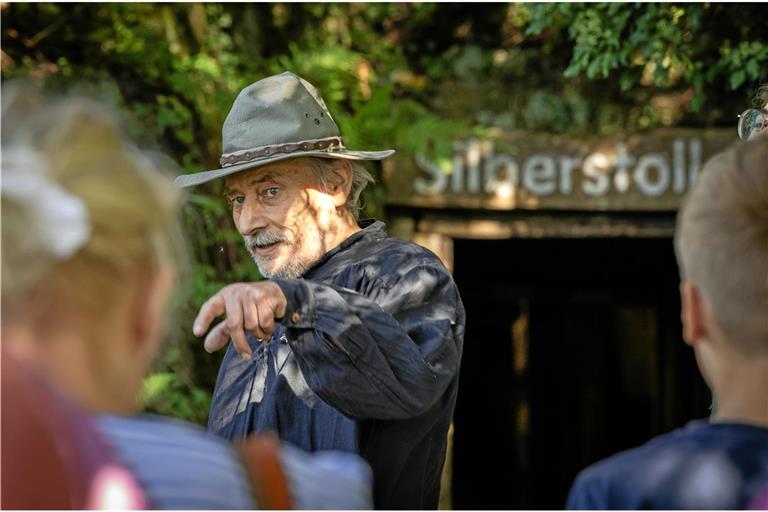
[
  {"x": 180, "y": 466},
  {"x": 366, "y": 360},
  {"x": 702, "y": 466}
]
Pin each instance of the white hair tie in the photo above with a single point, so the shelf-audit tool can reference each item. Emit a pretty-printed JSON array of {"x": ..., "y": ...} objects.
[{"x": 61, "y": 219}]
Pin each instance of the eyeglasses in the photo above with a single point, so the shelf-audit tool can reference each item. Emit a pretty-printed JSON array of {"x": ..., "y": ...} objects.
[{"x": 752, "y": 121}]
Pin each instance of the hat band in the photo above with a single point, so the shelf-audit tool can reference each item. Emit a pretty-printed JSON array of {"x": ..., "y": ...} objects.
[{"x": 248, "y": 155}]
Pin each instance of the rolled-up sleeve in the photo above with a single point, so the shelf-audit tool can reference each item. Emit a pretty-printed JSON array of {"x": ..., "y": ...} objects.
[{"x": 389, "y": 354}]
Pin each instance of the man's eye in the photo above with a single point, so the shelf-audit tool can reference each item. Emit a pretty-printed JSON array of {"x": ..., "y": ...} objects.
[
  {"x": 237, "y": 200},
  {"x": 271, "y": 192}
]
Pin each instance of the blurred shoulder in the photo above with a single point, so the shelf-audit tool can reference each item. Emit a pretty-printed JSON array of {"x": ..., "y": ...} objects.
[
  {"x": 168, "y": 431},
  {"x": 702, "y": 465},
  {"x": 180, "y": 465},
  {"x": 327, "y": 480}
]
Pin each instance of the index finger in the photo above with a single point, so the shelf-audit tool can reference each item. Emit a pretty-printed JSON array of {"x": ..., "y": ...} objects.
[
  {"x": 213, "y": 307},
  {"x": 234, "y": 323}
]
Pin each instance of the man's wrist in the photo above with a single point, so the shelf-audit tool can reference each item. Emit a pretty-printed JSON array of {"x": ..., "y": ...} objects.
[
  {"x": 299, "y": 303},
  {"x": 281, "y": 302}
]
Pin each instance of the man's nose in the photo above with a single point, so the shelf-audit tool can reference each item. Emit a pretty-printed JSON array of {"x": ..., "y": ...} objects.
[{"x": 251, "y": 218}]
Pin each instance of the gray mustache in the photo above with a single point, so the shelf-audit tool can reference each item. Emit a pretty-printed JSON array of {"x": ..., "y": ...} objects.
[{"x": 263, "y": 239}]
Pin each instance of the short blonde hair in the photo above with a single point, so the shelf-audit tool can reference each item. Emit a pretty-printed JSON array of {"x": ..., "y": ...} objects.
[
  {"x": 131, "y": 205},
  {"x": 721, "y": 242}
]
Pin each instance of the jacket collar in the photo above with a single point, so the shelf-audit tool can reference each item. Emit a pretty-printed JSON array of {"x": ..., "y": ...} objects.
[{"x": 370, "y": 228}]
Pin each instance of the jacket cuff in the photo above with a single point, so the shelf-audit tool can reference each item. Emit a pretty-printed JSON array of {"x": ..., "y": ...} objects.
[{"x": 300, "y": 305}]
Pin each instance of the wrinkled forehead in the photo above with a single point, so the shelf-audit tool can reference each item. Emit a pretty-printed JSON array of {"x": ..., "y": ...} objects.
[{"x": 294, "y": 171}]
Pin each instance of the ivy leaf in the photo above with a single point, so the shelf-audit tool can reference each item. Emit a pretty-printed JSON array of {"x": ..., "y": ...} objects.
[
  {"x": 738, "y": 78},
  {"x": 753, "y": 68}
]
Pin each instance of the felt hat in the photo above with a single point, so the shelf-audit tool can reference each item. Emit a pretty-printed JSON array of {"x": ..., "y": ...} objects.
[{"x": 277, "y": 118}]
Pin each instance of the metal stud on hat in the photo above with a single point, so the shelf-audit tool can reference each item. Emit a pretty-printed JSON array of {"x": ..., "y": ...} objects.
[{"x": 279, "y": 117}]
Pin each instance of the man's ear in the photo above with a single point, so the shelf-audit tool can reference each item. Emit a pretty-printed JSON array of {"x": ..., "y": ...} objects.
[
  {"x": 339, "y": 181},
  {"x": 693, "y": 313}
]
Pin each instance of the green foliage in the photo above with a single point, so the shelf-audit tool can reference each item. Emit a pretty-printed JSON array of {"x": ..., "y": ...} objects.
[
  {"x": 407, "y": 76},
  {"x": 661, "y": 44},
  {"x": 745, "y": 63},
  {"x": 166, "y": 394}
]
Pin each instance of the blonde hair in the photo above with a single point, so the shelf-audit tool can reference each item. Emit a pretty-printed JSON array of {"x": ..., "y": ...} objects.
[
  {"x": 131, "y": 206},
  {"x": 722, "y": 243}
]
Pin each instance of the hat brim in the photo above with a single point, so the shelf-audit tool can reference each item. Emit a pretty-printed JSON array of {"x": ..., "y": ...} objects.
[{"x": 191, "y": 180}]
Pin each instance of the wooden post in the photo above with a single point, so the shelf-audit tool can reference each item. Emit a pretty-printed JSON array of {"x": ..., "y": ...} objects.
[
  {"x": 442, "y": 246},
  {"x": 439, "y": 244}
]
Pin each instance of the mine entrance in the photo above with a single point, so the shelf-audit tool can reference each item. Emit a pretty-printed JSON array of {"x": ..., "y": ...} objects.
[{"x": 572, "y": 352}]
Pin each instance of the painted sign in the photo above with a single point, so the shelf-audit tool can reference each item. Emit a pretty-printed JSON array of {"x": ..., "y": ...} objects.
[{"x": 650, "y": 171}]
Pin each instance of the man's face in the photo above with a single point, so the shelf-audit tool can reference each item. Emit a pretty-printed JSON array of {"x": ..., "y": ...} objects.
[{"x": 283, "y": 214}]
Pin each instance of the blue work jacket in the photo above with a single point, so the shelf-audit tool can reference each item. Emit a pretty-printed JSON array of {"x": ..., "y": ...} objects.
[{"x": 365, "y": 360}]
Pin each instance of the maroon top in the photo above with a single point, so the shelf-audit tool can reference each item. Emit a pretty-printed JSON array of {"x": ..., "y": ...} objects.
[{"x": 52, "y": 457}]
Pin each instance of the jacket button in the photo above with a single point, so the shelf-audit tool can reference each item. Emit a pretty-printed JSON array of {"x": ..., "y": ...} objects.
[{"x": 295, "y": 317}]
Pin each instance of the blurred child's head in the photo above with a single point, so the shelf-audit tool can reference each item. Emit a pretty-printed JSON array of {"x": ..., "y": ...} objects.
[
  {"x": 722, "y": 249},
  {"x": 89, "y": 241}
]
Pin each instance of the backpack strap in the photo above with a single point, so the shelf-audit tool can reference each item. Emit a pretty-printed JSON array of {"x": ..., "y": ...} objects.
[{"x": 260, "y": 455}]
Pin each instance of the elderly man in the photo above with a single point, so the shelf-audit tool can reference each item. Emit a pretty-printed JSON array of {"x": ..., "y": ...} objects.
[
  {"x": 354, "y": 341},
  {"x": 722, "y": 249}
]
